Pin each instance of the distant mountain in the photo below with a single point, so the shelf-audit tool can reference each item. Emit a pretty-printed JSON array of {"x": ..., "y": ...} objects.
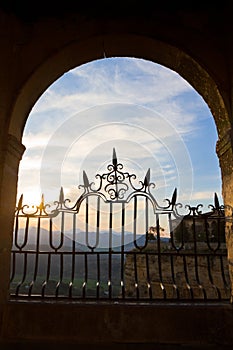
[{"x": 81, "y": 241}]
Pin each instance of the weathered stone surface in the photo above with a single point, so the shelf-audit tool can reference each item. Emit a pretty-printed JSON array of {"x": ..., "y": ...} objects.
[{"x": 175, "y": 276}]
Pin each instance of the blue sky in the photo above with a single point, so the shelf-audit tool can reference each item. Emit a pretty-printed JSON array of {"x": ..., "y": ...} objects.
[{"x": 152, "y": 117}]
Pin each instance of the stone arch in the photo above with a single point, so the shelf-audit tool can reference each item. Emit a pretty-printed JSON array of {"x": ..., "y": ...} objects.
[
  {"x": 97, "y": 47},
  {"x": 76, "y": 54}
]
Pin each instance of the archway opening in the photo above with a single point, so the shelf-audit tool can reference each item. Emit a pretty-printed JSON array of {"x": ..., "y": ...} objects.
[
  {"x": 156, "y": 120},
  {"x": 145, "y": 110}
]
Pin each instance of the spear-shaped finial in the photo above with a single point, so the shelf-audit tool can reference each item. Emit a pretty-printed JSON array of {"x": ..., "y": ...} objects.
[
  {"x": 147, "y": 179},
  {"x": 174, "y": 196},
  {"x": 20, "y": 203},
  {"x": 41, "y": 206},
  {"x": 85, "y": 180},
  {"x": 114, "y": 157},
  {"x": 61, "y": 196},
  {"x": 216, "y": 201}
]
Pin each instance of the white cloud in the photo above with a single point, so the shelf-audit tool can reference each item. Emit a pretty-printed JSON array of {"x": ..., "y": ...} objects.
[
  {"x": 202, "y": 195},
  {"x": 129, "y": 81},
  {"x": 36, "y": 140}
]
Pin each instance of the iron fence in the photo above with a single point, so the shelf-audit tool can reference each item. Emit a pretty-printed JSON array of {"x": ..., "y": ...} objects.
[{"x": 115, "y": 242}]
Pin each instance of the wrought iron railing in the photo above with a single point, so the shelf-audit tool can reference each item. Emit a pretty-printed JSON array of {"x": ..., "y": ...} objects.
[{"x": 117, "y": 243}]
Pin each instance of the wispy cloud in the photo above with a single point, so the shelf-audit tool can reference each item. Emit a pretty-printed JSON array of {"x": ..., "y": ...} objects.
[{"x": 116, "y": 81}]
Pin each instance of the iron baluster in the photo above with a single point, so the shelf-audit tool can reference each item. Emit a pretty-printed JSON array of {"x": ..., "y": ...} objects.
[
  {"x": 148, "y": 276},
  {"x": 24, "y": 273},
  {"x": 73, "y": 257},
  {"x": 217, "y": 291},
  {"x": 175, "y": 287},
  {"x": 159, "y": 257},
  {"x": 37, "y": 251},
  {"x": 226, "y": 285},
  {"x": 188, "y": 285},
  {"x": 25, "y": 240},
  {"x": 196, "y": 256},
  {"x": 84, "y": 286},
  {"x": 136, "y": 275},
  {"x": 45, "y": 283},
  {"x": 60, "y": 275},
  {"x": 110, "y": 253},
  {"x": 122, "y": 282},
  {"x": 98, "y": 276},
  {"x": 97, "y": 222},
  {"x": 135, "y": 223},
  {"x": 146, "y": 222},
  {"x": 13, "y": 260}
]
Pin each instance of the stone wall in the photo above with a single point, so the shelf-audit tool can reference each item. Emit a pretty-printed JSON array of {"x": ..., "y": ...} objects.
[{"x": 200, "y": 277}]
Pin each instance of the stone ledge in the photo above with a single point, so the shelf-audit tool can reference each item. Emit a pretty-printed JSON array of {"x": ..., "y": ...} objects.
[{"x": 192, "y": 324}]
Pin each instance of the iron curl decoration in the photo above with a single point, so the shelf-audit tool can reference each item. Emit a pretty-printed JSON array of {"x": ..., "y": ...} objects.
[
  {"x": 61, "y": 203},
  {"x": 194, "y": 210},
  {"x": 217, "y": 208},
  {"x": 114, "y": 185},
  {"x": 116, "y": 182},
  {"x": 87, "y": 186},
  {"x": 32, "y": 211}
]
